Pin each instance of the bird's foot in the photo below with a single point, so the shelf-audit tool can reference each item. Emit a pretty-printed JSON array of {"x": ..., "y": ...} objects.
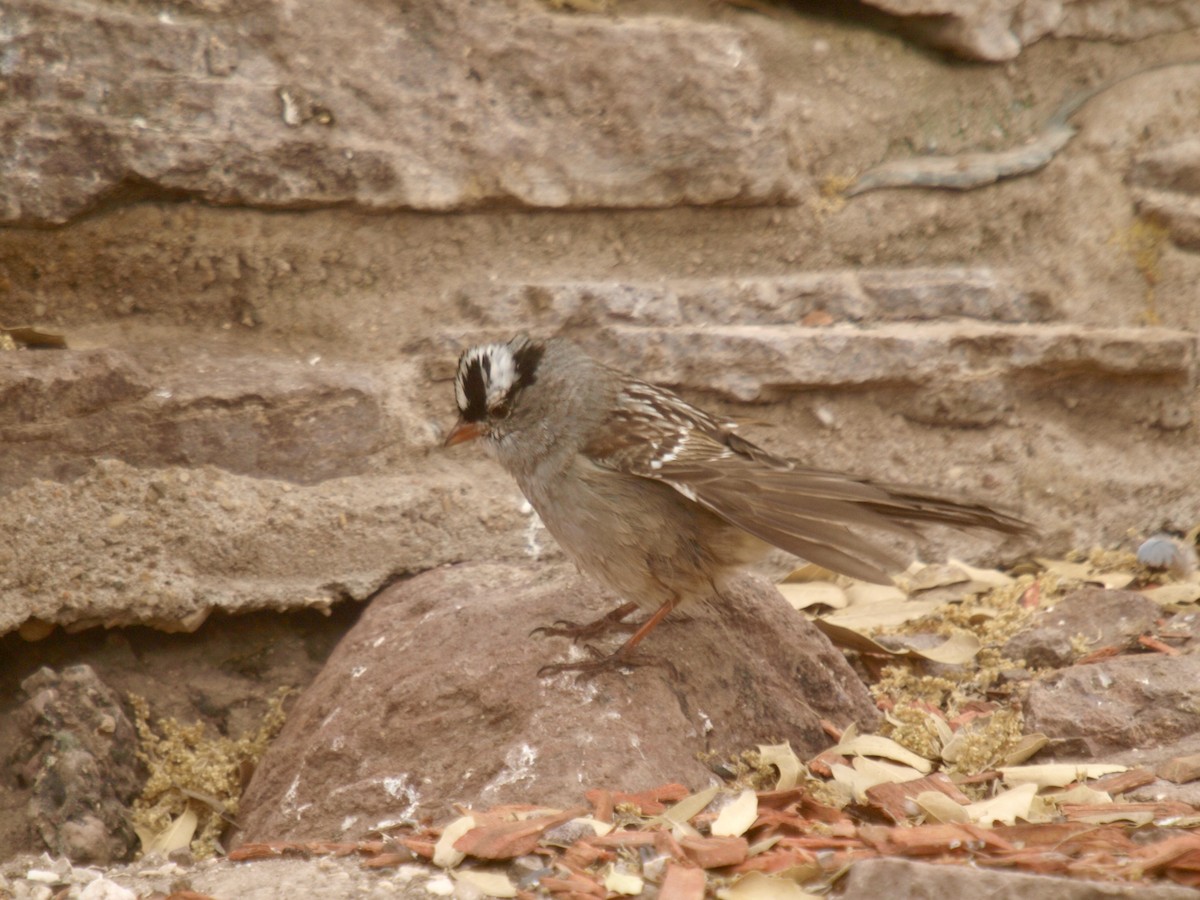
[
  {"x": 586, "y": 669},
  {"x": 607, "y": 624}
]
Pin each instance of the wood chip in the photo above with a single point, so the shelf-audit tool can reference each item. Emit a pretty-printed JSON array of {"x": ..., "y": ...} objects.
[
  {"x": 715, "y": 852},
  {"x": 683, "y": 883}
]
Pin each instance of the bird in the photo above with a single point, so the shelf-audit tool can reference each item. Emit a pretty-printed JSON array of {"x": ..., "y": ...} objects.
[{"x": 661, "y": 501}]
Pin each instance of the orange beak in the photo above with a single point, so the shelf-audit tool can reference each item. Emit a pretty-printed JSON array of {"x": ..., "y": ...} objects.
[{"x": 463, "y": 432}]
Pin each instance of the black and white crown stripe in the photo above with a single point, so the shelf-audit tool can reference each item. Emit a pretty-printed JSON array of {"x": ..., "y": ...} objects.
[{"x": 489, "y": 376}]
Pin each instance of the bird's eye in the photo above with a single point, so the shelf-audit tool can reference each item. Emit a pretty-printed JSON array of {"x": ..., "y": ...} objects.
[{"x": 500, "y": 410}]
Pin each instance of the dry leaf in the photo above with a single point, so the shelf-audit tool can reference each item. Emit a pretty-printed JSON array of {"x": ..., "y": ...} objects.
[
  {"x": 958, "y": 649},
  {"x": 757, "y": 886},
  {"x": 1080, "y": 794},
  {"x": 1085, "y": 572},
  {"x": 813, "y": 593},
  {"x": 444, "y": 854},
  {"x": 620, "y": 882},
  {"x": 1005, "y": 807},
  {"x": 876, "y": 745},
  {"x": 689, "y": 806},
  {"x": 1057, "y": 774},
  {"x": 737, "y": 817},
  {"x": 866, "y": 773},
  {"x": 600, "y": 828},
  {"x": 932, "y": 576},
  {"x": 1027, "y": 746},
  {"x": 783, "y": 758},
  {"x": 864, "y": 617},
  {"x": 990, "y": 577},
  {"x": 1174, "y": 594},
  {"x": 175, "y": 836},
  {"x": 940, "y": 808},
  {"x": 35, "y": 337},
  {"x": 864, "y": 593},
  {"x": 493, "y": 884},
  {"x": 809, "y": 572}
]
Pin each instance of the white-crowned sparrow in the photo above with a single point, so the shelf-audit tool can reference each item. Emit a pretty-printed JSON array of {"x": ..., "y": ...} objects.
[{"x": 658, "y": 499}]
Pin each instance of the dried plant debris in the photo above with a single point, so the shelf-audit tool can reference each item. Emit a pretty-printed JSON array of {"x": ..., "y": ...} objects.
[
  {"x": 947, "y": 779},
  {"x": 195, "y": 779},
  {"x": 786, "y": 843}
]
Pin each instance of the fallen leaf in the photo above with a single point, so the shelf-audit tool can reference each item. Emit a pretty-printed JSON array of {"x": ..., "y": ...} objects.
[
  {"x": 877, "y": 745},
  {"x": 444, "y": 854},
  {"x": 932, "y": 576},
  {"x": 863, "y": 774},
  {"x": 175, "y": 836},
  {"x": 493, "y": 884},
  {"x": 1027, "y": 746},
  {"x": 685, "y": 809},
  {"x": 992, "y": 577},
  {"x": 35, "y": 337},
  {"x": 621, "y": 882},
  {"x": 862, "y": 593},
  {"x": 757, "y": 886},
  {"x": 1057, "y": 774},
  {"x": 940, "y": 808},
  {"x": 1085, "y": 572},
  {"x": 864, "y": 617},
  {"x": 813, "y": 593},
  {"x": 1006, "y": 807},
  {"x": 783, "y": 758},
  {"x": 808, "y": 572},
  {"x": 1174, "y": 594},
  {"x": 737, "y": 817},
  {"x": 1080, "y": 794}
]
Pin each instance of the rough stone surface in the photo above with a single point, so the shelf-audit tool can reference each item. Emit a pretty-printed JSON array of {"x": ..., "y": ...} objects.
[
  {"x": 224, "y": 675},
  {"x": 251, "y": 182},
  {"x": 874, "y": 295},
  {"x": 1082, "y": 621},
  {"x": 433, "y": 699},
  {"x": 1117, "y": 704},
  {"x": 874, "y": 878},
  {"x": 378, "y": 106},
  {"x": 60, "y": 409},
  {"x": 165, "y": 547},
  {"x": 997, "y": 30},
  {"x": 1166, "y": 184},
  {"x": 77, "y": 759}
]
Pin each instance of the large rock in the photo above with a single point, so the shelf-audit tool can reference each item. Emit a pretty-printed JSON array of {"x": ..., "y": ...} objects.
[
  {"x": 435, "y": 106},
  {"x": 434, "y": 699},
  {"x": 282, "y": 418},
  {"x": 165, "y": 547},
  {"x": 78, "y": 759},
  {"x": 870, "y": 879},
  {"x": 1100, "y": 618},
  {"x": 1118, "y": 704},
  {"x": 1166, "y": 185}
]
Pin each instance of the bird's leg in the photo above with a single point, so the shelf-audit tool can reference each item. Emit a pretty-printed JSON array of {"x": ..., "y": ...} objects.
[
  {"x": 613, "y": 621},
  {"x": 624, "y": 656}
]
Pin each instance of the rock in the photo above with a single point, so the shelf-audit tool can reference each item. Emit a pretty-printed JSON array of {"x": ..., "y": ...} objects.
[
  {"x": 59, "y": 410},
  {"x": 1116, "y": 704},
  {"x": 165, "y": 547},
  {"x": 1101, "y": 618},
  {"x": 845, "y": 295},
  {"x": 1166, "y": 187},
  {"x": 433, "y": 699},
  {"x": 869, "y": 879},
  {"x": 79, "y": 758},
  {"x": 447, "y": 105},
  {"x": 997, "y": 30}
]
